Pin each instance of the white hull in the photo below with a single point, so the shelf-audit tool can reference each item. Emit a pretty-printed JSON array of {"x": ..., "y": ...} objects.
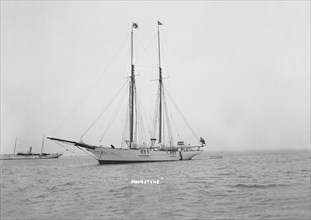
[
  {"x": 113, "y": 155},
  {"x": 28, "y": 157}
]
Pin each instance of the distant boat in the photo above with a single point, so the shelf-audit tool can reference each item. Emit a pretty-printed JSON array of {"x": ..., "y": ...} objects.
[
  {"x": 29, "y": 154},
  {"x": 158, "y": 150}
]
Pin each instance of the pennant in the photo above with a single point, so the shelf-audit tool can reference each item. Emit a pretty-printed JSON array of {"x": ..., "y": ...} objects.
[
  {"x": 135, "y": 25},
  {"x": 159, "y": 23}
]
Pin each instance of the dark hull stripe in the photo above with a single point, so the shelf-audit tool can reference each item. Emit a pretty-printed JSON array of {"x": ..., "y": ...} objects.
[{"x": 128, "y": 161}]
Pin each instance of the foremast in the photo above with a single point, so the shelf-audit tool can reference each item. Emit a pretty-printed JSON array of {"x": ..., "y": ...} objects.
[{"x": 132, "y": 88}]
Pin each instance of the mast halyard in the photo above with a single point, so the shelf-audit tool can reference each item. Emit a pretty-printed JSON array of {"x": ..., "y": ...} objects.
[
  {"x": 132, "y": 89},
  {"x": 160, "y": 87}
]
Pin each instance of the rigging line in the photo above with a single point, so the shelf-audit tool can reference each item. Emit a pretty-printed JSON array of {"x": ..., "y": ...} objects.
[
  {"x": 163, "y": 130},
  {"x": 87, "y": 152},
  {"x": 63, "y": 146},
  {"x": 100, "y": 115},
  {"x": 141, "y": 116},
  {"x": 114, "y": 115},
  {"x": 163, "y": 121},
  {"x": 126, "y": 122},
  {"x": 145, "y": 49},
  {"x": 125, "y": 127},
  {"x": 174, "y": 124},
  {"x": 168, "y": 123},
  {"x": 163, "y": 55},
  {"x": 137, "y": 121},
  {"x": 142, "y": 109},
  {"x": 135, "y": 106},
  {"x": 156, "y": 114},
  {"x": 183, "y": 117},
  {"x": 169, "y": 113},
  {"x": 70, "y": 113}
]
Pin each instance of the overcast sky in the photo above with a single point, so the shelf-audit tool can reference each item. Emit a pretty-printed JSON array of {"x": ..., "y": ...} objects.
[{"x": 239, "y": 71}]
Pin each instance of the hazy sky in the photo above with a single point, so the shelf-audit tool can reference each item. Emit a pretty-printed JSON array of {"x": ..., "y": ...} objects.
[{"x": 239, "y": 71}]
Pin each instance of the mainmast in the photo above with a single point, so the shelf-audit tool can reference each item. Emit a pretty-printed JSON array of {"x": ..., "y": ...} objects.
[
  {"x": 160, "y": 87},
  {"x": 42, "y": 144},
  {"x": 132, "y": 89},
  {"x": 15, "y": 145}
]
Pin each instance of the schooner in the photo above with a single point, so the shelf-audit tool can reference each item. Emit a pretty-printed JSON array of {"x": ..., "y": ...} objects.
[{"x": 157, "y": 150}]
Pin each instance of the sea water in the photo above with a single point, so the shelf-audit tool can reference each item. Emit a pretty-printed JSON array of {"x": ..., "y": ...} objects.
[{"x": 241, "y": 185}]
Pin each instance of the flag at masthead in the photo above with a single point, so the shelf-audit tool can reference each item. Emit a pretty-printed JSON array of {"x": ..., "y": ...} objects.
[{"x": 135, "y": 25}]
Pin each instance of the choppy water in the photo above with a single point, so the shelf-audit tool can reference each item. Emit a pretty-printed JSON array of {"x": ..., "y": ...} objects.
[{"x": 243, "y": 185}]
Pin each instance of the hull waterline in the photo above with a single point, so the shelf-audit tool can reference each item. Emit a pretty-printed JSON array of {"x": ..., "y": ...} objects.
[
  {"x": 117, "y": 156},
  {"x": 28, "y": 157}
]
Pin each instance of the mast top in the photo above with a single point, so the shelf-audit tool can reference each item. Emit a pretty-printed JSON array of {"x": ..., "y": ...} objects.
[{"x": 160, "y": 70}]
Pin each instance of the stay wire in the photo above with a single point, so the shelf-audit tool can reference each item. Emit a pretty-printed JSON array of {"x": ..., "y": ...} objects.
[
  {"x": 179, "y": 111},
  {"x": 145, "y": 48},
  {"x": 85, "y": 151},
  {"x": 75, "y": 152},
  {"x": 168, "y": 122},
  {"x": 63, "y": 146},
  {"x": 114, "y": 115},
  {"x": 90, "y": 89},
  {"x": 156, "y": 115},
  {"x": 126, "y": 124},
  {"x": 100, "y": 115},
  {"x": 140, "y": 117},
  {"x": 174, "y": 123}
]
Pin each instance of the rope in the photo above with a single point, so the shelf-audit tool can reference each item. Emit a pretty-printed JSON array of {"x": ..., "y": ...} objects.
[
  {"x": 180, "y": 113},
  {"x": 155, "y": 119},
  {"x": 90, "y": 90},
  {"x": 63, "y": 146},
  {"x": 168, "y": 124},
  {"x": 84, "y": 151},
  {"x": 126, "y": 124},
  {"x": 175, "y": 126},
  {"x": 113, "y": 116},
  {"x": 99, "y": 116},
  {"x": 140, "y": 118},
  {"x": 88, "y": 153},
  {"x": 145, "y": 49}
]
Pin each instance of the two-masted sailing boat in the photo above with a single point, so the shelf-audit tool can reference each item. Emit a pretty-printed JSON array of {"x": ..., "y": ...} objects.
[
  {"x": 157, "y": 150},
  {"x": 29, "y": 155}
]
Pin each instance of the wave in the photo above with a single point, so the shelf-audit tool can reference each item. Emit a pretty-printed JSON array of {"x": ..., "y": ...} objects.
[
  {"x": 70, "y": 183},
  {"x": 225, "y": 174},
  {"x": 42, "y": 196},
  {"x": 123, "y": 188},
  {"x": 259, "y": 186}
]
